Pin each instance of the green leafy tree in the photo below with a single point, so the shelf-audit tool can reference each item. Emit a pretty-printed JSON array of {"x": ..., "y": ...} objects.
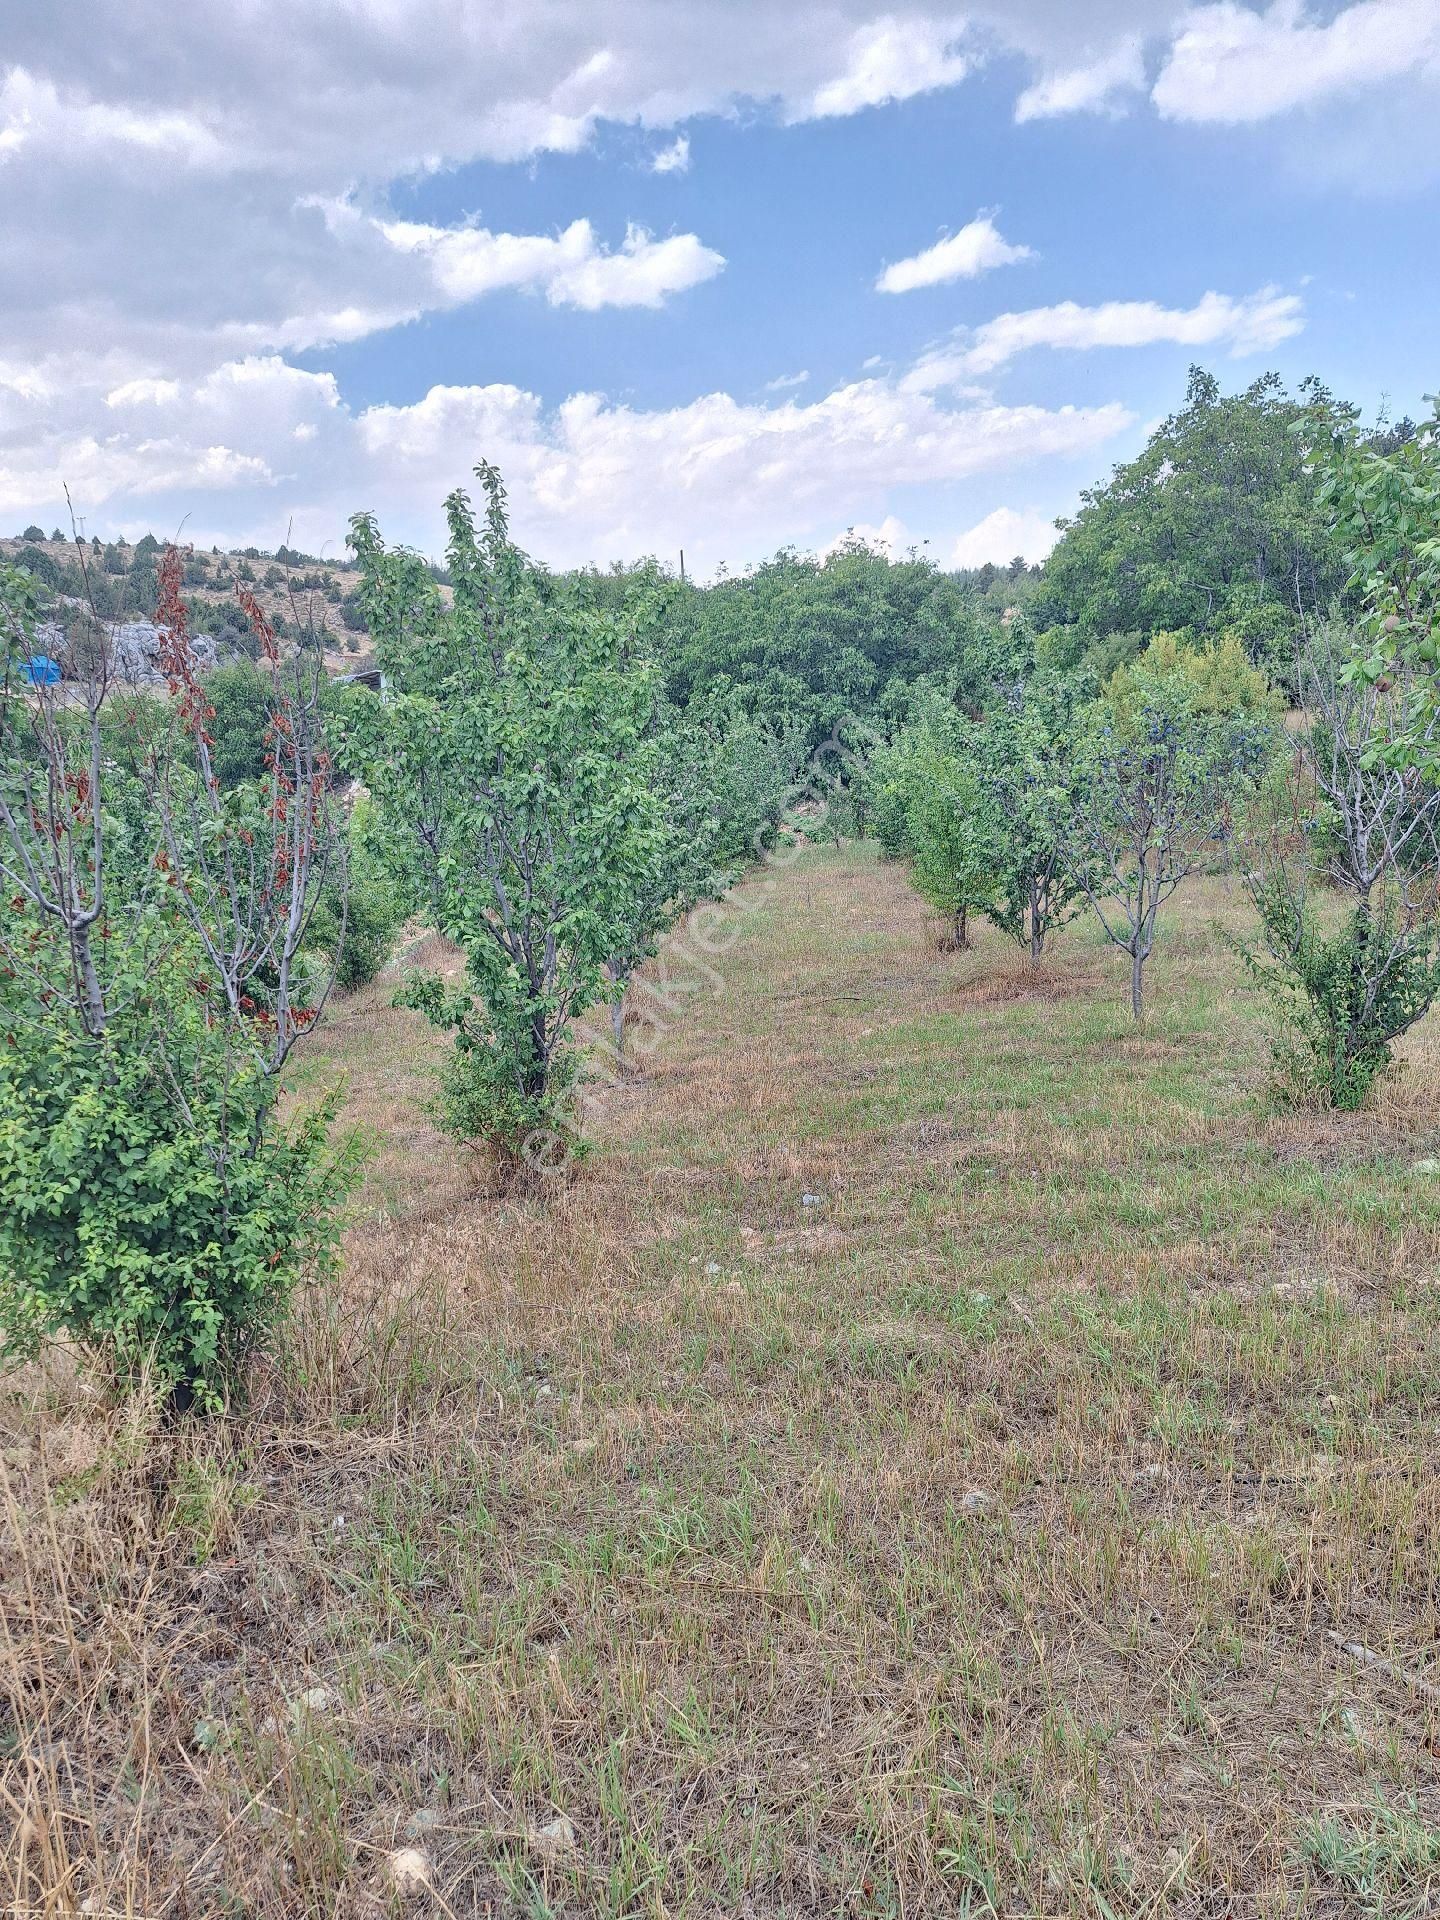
[
  {"x": 1158, "y": 777},
  {"x": 1384, "y": 505},
  {"x": 951, "y": 833},
  {"x": 153, "y": 1203},
  {"x": 1212, "y": 529},
  {"x": 508, "y": 758},
  {"x": 1025, "y": 756}
]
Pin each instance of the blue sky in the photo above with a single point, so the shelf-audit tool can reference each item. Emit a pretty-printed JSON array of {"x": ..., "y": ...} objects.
[{"x": 272, "y": 264}]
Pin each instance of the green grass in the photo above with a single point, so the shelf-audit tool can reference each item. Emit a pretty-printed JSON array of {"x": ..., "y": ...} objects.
[{"x": 964, "y": 1542}]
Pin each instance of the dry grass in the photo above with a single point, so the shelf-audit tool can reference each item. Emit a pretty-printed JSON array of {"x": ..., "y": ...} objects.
[{"x": 992, "y": 1534}]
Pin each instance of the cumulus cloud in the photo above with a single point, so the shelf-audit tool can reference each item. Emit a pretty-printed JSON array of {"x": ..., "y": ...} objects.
[
  {"x": 975, "y": 249},
  {"x": 893, "y": 58},
  {"x": 672, "y": 159},
  {"x": 590, "y": 479},
  {"x": 1232, "y": 64},
  {"x": 1003, "y": 534},
  {"x": 122, "y": 168},
  {"x": 891, "y": 536},
  {"x": 1095, "y": 86},
  {"x": 1249, "y": 324},
  {"x": 571, "y": 269},
  {"x": 719, "y": 477},
  {"x": 38, "y": 121}
]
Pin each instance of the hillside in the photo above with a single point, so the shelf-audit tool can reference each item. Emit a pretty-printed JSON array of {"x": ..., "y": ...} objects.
[
  {"x": 952, "y": 1451},
  {"x": 298, "y": 594}
]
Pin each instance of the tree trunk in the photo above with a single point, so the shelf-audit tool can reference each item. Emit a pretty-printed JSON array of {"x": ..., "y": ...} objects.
[
  {"x": 1037, "y": 929},
  {"x": 962, "y": 928},
  {"x": 617, "y": 1021},
  {"x": 1137, "y": 983}
]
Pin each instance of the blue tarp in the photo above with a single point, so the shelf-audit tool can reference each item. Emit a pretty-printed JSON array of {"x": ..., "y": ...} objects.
[{"x": 42, "y": 671}]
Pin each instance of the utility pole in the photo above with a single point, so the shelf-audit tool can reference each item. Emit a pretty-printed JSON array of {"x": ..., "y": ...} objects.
[{"x": 682, "y": 566}]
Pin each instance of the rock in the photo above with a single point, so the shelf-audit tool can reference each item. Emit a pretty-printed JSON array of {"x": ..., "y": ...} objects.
[
  {"x": 317, "y": 1700},
  {"x": 1425, "y": 1166},
  {"x": 584, "y": 1446},
  {"x": 420, "y": 1823},
  {"x": 409, "y": 1870},
  {"x": 977, "y": 1501},
  {"x": 811, "y": 1199},
  {"x": 134, "y": 649},
  {"x": 712, "y": 1266},
  {"x": 554, "y": 1841}
]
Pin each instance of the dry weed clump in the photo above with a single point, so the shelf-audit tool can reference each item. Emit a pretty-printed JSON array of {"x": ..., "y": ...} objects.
[{"x": 941, "y": 1456}]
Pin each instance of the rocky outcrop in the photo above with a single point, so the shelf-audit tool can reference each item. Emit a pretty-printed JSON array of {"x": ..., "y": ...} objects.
[{"x": 134, "y": 650}]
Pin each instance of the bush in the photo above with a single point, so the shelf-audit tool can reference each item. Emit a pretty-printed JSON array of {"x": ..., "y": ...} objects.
[
  {"x": 40, "y": 565},
  {"x": 371, "y": 908},
  {"x": 125, "y": 1224},
  {"x": 153, "y": 1203},
  {"x": 243, "y": 699},
  {"x": 1341, "y": 998},
  {"x": 1341, "y": 813}
]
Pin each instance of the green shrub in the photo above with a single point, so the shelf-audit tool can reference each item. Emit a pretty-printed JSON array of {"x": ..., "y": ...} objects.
[
  {"x": 154, "y": 1203},
  {"x": 127, "y": 1219},
  {"x": 1341, "y": 998},
  {"x": 371, "y": 908}
]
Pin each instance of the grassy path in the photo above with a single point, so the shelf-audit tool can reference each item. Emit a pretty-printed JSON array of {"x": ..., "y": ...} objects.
[{"x": 921, "y": 1467}]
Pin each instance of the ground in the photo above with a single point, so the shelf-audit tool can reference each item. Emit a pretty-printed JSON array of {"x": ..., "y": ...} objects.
[{"x": 949, "y": 1451}]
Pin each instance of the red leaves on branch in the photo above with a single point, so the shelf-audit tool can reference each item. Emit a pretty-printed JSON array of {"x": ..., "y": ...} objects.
[
  {"x": 177, "y": 650},
  {"x": 260, "y": 624}
]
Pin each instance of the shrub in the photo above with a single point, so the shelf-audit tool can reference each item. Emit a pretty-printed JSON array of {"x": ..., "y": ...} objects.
[
  {"x": 153, "y": 1204},
  {"x": 1343, "y": 997},
  {"x": 1343, "y": 812},
  {"x": 128, "y": 1220},
  {"x": 355, "y": 924}
]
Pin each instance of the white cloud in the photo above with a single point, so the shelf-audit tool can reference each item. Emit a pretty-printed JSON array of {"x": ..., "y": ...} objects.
[
  {"x": 37, "y": 119},
  {"x": 143, "y": 393},
  {"x": 1232, "y": 64},
  {"x": 1092, "y": 87},
  {"x": 783, "y": 382},
  {"x": 122, "y": 170},
  {"x": 571, "y": 269},
  {"x": 1249, "y": 324},
  {"x": 673, "y": 159},
  {"x": 892, "y": 58},
  {"x": 591, "y": 479},
  {"x": 975, "y": 249},
  {"x": 594, "y": 479},
  {"x": 891, "y": 536},
  {"x": 1003, "y": 534}
]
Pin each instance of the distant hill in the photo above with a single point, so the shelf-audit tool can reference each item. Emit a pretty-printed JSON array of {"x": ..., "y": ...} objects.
[{"x": 300, "y": 594}]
